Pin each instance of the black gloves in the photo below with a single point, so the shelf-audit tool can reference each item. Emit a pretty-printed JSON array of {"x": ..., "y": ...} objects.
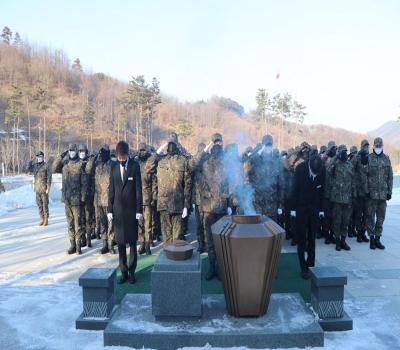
[
  {"x": 388, "y": 197},
  {"x": 64, "y": 154}
]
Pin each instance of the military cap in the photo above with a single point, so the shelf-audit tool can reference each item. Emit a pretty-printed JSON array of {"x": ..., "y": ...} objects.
[
  {"x": 305, "y": 145},
  {"x": 82, "y": 147},
  {"x": 353, "y": 149},
  {"x": 323, "y": 149},
  {"x": 331, "y": 144},
  {"x": 72, "y": 147},
  {"x": 173, "y": 136},
  {"x": 342, "y": 148},
  {"x": 39, "y": 153},
  {"x": 267, "y": 140},
  {"x": 142, "y": 146},
  {"x": 364, "y": 143},
  {"x": 216, "y": 137},
  {"x": 378, "y": 142},
  {"x": 105, "y": 147}
]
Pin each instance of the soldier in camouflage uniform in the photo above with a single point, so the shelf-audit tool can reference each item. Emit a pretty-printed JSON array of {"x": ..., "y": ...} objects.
[
  {"x": 2, "y": 189},
  {"x": 196, "y": 196},
  {"x": 378, "y": 185},
  {"x": 173, "y": 187},
  {"x": 360, "y": 205},
  {"x": 148, "y": 198},
  {"x": 103, "y": 163},
  {"x": 214, "y": 201},
  {"x": 352, "y": 221},
  {"x": 327, "y": 205},
  {"x": 72, "y": 183},
  {"x": 263, "y": 171},
  {"x": 288, "y": 175},
  {"x": 87, "y": 210},
  {"x": 341, "y": 174},
  {"x": 42, "y": 183}
]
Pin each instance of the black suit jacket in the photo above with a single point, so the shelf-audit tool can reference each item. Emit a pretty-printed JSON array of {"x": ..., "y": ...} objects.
[
  {"x": 306, "y": 192},
  {"x": 124, "y": 201}
]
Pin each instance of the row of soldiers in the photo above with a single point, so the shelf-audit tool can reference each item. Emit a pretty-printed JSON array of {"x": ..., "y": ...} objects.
[{"x": 215, "y": 182}]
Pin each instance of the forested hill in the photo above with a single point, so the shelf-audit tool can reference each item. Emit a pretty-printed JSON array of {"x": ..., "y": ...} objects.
[{"x": 47, "y": 101}]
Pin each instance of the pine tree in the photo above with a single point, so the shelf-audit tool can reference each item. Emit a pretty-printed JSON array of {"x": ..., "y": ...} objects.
[
  {"x": 88, "y": 121},
  {"x": 6, "y": 35},
  {"x": 17, "y": 40},
  {"x": 262, "y": 104},
  {"x": 43, "y": 102}
]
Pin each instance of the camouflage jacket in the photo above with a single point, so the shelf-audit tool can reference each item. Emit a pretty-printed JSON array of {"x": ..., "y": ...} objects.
[
  {"x": 214, "y": 187},
  {"x": 88, "y": 182},
  {"x": 173, "y": 184},
  {"x": 378, "y": 181},
  {"x": 327, "y": 190},
  {"x": 342, "y": 186},
  {"x": 147, "y": 173},
  {"x": 102, "y": 182},
  {"x": 195, "y": 172},
  {"x": 287, "y": 175},
  {"x": 2, "y": 189},
  {"x": 72, "y": 180},
  {"x": 42, "y": 176},
  {"x": 264, "y": 173},
  {"x": 360, "y": 173}
]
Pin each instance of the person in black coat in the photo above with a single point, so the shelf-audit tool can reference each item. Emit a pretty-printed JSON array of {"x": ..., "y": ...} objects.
[
  {"x": 125, "y": 208},
  {"x": 306, "y": 207}
]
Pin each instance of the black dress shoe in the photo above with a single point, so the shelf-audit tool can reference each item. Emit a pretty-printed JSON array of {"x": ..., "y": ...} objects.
[
  {"x": 132, "y": 279},
  {"x": 123, "y": 279},
  {"x": 305, "y": 274}
]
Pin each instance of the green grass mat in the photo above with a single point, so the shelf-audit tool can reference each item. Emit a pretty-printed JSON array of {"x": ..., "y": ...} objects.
[{"x": 287, "y": 280}]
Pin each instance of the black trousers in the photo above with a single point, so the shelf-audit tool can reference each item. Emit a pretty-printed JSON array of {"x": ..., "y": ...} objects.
[
  {"x": 307, "y": 222},
  {"x": 124, "y": 265}
]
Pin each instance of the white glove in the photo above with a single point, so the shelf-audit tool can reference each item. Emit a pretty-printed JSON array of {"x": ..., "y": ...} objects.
[
  {"x": 47, "y": 191},
  {"x": 162, "y": 148},
  {"x": 194, "y": 206},
  {"x": 184, "y": 213},
  {"x": 109, "y": 217},
  {"x": 229, "y": 211},
  {"x": 261, "y": 150},
  {"x": 208, "y": 147},
  {"x": 321, "y": 214},
  {"x": 279, "y": 211},
  {"x": 293, "y": 213},
  {"x": 139, "y": 216}
]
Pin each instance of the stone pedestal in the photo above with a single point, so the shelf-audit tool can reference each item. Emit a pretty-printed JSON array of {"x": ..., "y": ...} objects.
[
  {"x": 98, "y": 298},
  {"x": 327, "y": 294},
  {"x": 176, "y": 287}
]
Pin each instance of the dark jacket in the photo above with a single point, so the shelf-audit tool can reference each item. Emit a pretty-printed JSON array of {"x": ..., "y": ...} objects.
[
  {"x": 306, "y": 192},
  {"x": 124, "y": 201}
]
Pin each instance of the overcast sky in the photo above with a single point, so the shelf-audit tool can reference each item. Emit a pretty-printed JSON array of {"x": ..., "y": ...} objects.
[{"x": 339, "y": 58}]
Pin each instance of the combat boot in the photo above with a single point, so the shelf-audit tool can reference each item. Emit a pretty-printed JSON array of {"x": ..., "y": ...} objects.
[
  {"x": 111, "y": 247},
  {"x": 343, "y": 243},
  {"x": 104, "y": 249},
  {"x": 46, "y": 221},
  {"x": 93, "y": 234},
  {"x": 364, "y": 237},
  {"x": 89, "y": 240},
  {"x": 147, "y": 247},
  {"x": 378, "y": 243},
  {"x": 72, "y": 248},
  {"x": 142, "y": 249},
  {"x": 338, "y": 245},
  {"x": 372, "y": 244},
  {"x": 78, "y": 249}
]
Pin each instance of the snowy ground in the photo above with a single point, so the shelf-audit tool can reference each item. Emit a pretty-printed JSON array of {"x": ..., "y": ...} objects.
[{"x": 40, "y": 297}]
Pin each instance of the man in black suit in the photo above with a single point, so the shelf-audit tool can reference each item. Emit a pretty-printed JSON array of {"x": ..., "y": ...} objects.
[
  {"x": 306, "y": 207},
  {"x": 125, "y": 208}
]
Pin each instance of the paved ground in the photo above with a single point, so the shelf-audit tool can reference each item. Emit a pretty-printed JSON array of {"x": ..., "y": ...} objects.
[{"x": 40, "y": 297}]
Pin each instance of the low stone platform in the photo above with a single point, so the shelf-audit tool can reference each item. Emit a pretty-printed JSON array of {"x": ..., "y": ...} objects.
[{"x": 288, "y": 323}]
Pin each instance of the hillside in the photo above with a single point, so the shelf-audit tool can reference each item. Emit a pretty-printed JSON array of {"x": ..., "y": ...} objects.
[
  {"x": 390, "y": 132},
  {"x": 47, "y": 101}
]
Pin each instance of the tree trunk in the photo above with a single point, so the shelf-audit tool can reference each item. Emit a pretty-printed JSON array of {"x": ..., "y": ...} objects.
[
  {"x": 17, "y": 146},
  {"x": 13, "y": 150},
  {"x": 29, "y": 128},
  {"x": 44, "y": 133}
]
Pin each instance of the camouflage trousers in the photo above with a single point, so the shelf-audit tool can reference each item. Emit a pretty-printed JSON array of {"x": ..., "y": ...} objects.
[
  {"x": 199, "y": 225},
  {"x": 88, "y": 219},
  {"x": 73, "y": 214},
  {"x": 327, "y": 220},
  {"x": 145, "y": 225},
  {"x": 105, "y": 229},
  {"x": 171, "y": 226},
  {"x": 360, "y": 217},
  {"x": 42, "y": 201},
  {"x": 341, "y": 213},
  {"x": 376, "y": 211},
  {"x": 97, "y": 218},
  {"x": 155, "y": 223},
  {"x": 266, "y": 206},
  {"x": 208, "y": 220}
]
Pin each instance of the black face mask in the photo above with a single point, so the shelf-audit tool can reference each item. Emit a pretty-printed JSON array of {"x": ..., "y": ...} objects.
[
  {"x": 143, "y": 155},
  {"x": 172, "y": 148},
  {"x": 343, "y": 156},
  {"x": 331, "y": 153},
  {"x": 104, "y": 156}
]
